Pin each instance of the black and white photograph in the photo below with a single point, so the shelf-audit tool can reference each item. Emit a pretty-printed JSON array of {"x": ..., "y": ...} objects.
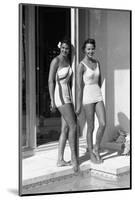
[{"x": 74, "y": 99}]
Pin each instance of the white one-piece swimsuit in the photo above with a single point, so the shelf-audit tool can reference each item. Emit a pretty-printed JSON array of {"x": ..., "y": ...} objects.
[
  {"x": 62, "y": 94},
  {"x": 92, "y": 91}
]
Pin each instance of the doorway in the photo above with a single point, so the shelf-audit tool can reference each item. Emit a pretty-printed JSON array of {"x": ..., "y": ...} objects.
[{"x": 52, "y": 24}]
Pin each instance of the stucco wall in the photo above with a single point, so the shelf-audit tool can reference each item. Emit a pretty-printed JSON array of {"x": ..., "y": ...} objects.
[{"x": 111, "y": 30}]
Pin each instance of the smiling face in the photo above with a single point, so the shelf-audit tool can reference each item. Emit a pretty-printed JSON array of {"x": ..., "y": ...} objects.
[
  {"x": 89, "y": 50},
  {"x": 64, "y": 49}
]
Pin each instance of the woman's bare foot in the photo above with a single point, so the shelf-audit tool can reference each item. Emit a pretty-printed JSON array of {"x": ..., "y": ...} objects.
[
  {"x": 62, "y": 163},
  {"x": 94, "y": 159},
  {"x": 97, "y": 155},
  {"x": 75, "y": 165}
]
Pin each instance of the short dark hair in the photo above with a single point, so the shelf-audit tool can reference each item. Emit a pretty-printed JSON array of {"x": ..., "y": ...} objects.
[{"x": 89, "y": 41}]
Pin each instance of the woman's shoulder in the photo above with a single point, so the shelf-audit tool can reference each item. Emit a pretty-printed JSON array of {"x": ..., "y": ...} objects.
[
  {"x": 82, "y": 62},
  {"x": 54, "y": 64},
  {"x": 55, "y": 61},
  {"x": 81, "y": 66},
  {"x": 96, "y": 61}
]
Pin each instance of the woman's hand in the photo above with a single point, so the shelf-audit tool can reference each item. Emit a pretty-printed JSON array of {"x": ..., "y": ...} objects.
[{"x": 52, "y": 106}]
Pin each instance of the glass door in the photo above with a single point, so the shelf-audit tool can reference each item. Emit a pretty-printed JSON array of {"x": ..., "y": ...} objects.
[{"x": 53, "y": 24}]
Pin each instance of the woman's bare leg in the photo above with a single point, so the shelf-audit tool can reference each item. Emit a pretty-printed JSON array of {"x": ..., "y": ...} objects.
[
  {"x": 62, "y": 143},
  {"x": 90, "y": 116},
  {"x": 100, "y": 112},
  {"x": 69, "y": 116}
]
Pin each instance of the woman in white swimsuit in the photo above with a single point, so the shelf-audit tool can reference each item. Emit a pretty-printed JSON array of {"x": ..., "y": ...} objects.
[
  {"x": 90, "y": 96},
  {"x": 60, "y": 94}
]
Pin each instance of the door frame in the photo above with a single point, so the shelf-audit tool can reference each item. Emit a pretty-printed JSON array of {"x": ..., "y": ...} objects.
[{"x": 31, "y": 137}]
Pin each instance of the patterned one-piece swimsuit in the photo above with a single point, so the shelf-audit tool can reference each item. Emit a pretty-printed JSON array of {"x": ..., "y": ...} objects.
[{"x": 62, "y": 93}]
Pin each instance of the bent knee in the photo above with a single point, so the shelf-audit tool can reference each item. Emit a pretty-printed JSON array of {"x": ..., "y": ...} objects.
[
  {"x": 65, "y": 128},
  {"x": 102, "y": 125},
  {"x": 90, "y": 125},
  {"x": 73, "y": 126},
  {"x": 91, "y": 128}
]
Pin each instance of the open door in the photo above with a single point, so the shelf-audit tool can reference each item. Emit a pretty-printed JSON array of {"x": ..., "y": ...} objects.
[
  {"x": 41, "y": 28},
  {"x": 52, "y": 25}
]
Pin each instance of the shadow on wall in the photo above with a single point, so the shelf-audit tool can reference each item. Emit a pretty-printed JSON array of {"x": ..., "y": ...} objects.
[
  {"x": 123, "y": 125},
  {"x": 124, "y": 122},
  {"x": 118, "y": 66}
]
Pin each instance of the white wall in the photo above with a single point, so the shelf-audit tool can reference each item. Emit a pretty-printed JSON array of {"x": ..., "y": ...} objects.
[
  {"x": 111, "y": 30},
  {"x": 122, "y": 99},
  {"x": 118, "y": 66}
]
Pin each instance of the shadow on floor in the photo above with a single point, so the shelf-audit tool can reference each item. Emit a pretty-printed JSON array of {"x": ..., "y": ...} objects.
[{"x": 107, "y": 155}]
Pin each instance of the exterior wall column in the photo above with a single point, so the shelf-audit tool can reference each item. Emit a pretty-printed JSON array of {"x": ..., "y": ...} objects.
[
  {"x": 30, "y": 83},
  {"x": 75, "y": 60}
]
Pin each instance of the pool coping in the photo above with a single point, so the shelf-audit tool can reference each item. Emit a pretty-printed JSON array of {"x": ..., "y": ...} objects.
[{"x": 65, "y": 173}]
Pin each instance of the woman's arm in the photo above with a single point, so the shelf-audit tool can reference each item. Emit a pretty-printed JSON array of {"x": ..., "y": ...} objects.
[
  {"x": 80, "y": 72},
  {"x": 99, "y": 80},
  {"x": 51, "y": 80}
]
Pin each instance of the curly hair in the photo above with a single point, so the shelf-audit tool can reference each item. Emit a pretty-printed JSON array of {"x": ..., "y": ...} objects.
[{"x": 89, "y": 41}]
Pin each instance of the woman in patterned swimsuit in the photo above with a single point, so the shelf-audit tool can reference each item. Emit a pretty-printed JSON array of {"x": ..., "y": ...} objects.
[
  {"x": 89, "y": 94},
  {"x": 60, "y": 94}
]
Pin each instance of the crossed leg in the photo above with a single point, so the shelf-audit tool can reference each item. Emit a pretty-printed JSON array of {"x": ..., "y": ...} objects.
[
  {"x": 68, "y": 114},
  {"x": 62, "y": 143}
]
